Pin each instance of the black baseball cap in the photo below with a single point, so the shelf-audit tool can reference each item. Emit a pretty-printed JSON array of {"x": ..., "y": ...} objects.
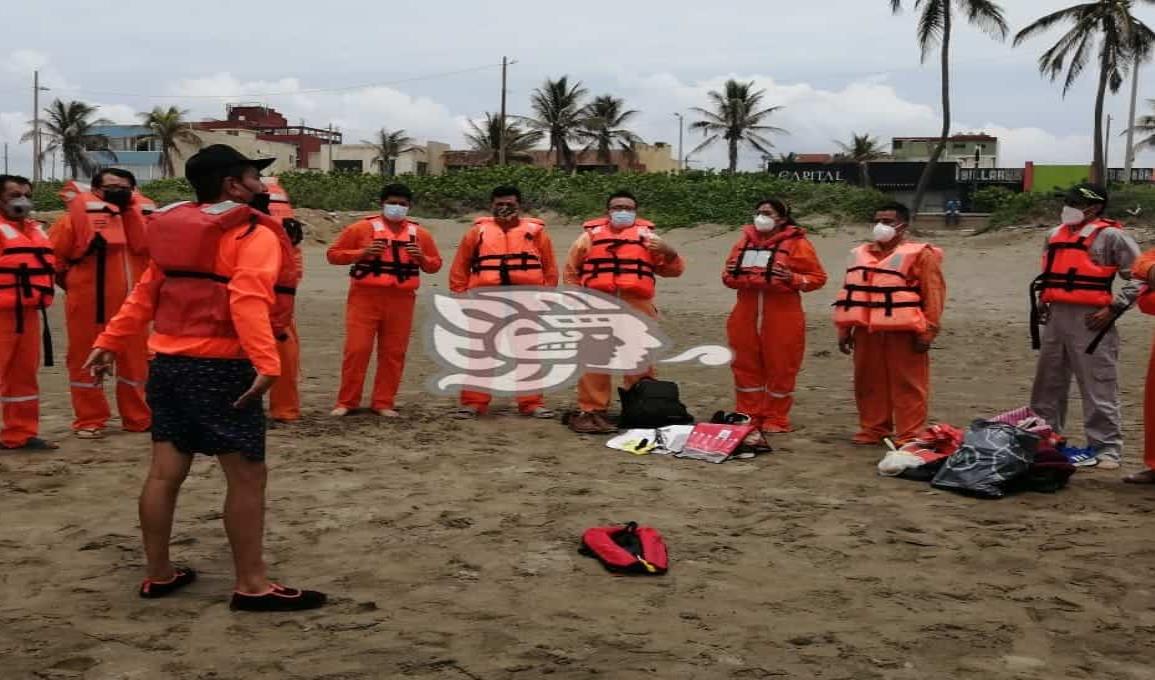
[
  {"x": 219, "y": 157},
  {"x": 1086, "y": 194}
]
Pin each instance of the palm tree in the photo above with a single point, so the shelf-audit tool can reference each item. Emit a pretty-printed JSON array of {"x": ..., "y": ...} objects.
[
  {"x": 862, "y": 149},
  {"x": 559, "y": 114},
  {"x": 736, "y": 118},
  {"x": 604, "y": 127},
  {"x": 934, "y": 29},
  {"x": 1145, "y": 126},
  {"x": 169, "y": 127},
  {"x": 389, "y": 145},
  {"x": 487, "y": 137},
  {"x": 1123, "y": 41},
  {"x": 68, "y": 127}
]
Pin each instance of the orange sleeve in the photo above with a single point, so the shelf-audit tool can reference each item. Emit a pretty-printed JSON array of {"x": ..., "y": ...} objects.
[
  {"x": 548, "y": 261},
  {"x": 571, "y": 276},
  {"x": 1142, "y": 268},
  {"x": 808, "y": 272},
  {"x": 433, "y": 262},
  {"x": 352, "y": 241},
  {"x": 463, "y": 261},
  {"x": 928, "y": 271},
  {"x": 256, "y": 262},
  {"x": 135, "y": 314},
  {"x": 63, "y": 241},
  {"x": 299, "y": 262}
]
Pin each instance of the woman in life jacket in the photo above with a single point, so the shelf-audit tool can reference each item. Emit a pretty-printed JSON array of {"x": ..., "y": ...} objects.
[{"x": 770, "y": 266}]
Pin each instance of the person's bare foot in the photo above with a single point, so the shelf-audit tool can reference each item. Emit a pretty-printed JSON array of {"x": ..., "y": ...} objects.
[
  {"x": 1144, "y": 477},
  {"x": 388, "y": 413},
  {"x": 339, "y": 412}
]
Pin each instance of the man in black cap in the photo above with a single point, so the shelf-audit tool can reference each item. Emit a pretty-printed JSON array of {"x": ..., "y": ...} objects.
[
  {"x": 209, "y": 292},
  {"x": 1074, "y": 303}
]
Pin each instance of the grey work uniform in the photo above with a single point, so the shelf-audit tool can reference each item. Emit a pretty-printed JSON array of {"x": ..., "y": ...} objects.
[{"x": 1065, "y": 339}]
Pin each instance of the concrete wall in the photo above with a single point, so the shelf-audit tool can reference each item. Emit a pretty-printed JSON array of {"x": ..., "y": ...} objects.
[
  {"x": 1052, "y": 177},
  {"x": 246, "y": 142},
  {"x": 431, "y": 156},
  {"x": 962, "y": 153}
]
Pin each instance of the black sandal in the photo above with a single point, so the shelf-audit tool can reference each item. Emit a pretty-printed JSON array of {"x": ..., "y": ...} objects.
[
  {"x": 182, "y": 576},
  {"x": 278, "y": 598}
]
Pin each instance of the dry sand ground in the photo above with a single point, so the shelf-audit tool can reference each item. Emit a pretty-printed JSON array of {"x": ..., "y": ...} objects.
[{"x": 450, "y": 549}]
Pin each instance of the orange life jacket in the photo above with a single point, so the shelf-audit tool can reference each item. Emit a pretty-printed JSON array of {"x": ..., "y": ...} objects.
[
  {"x": 393, "y": 268},
  {"x": 290, "y": 274},
  {"x": 98, "y": 226},
  {"x": 760, "y": 252},
  {"x": 279, "y": 204},
  {"x": 507, "y": 258},
  {"x": 1069, "y": 275},
  {"x": 604, "y": 221},
  {"x": 879, "y": 293},
  {"x": 618, "y": 262},
  {"x": 26, "y": 275},
  {"x": 183, "y": 241}
]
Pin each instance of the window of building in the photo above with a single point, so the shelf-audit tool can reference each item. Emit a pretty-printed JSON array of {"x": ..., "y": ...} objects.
[
  {"x": 422, "y": 168},
  {"x": 960, "y": 147},
  {"x": 897, "y": 145},
  {"x": 348, "y": 166}
]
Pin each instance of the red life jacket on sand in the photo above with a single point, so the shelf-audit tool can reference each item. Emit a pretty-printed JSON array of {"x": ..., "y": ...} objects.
[
  {"x": 393, "y": 268},
  {"x": 618, "y": 262},
  {"x": 628, "y": 549},
  {"x": 760, "y": 252},
  {"x": 604, "y": 221},
  {"x": 183, "y": 241},
  {"x": 280, "y": 206},
  {"x": 507, "y": 258},
  {"x": 879, "y": 294},
  {"x": 27, "y": 276}
]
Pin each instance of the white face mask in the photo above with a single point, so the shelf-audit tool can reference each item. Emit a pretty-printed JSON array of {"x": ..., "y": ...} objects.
[
  {"x": 623, "y": 218},
  {"x": 394, "y": 213},
  {"x": 1072, "y": 216},
  {"x": 884, "y": 233},
  {"x": 764, "y": 223}
]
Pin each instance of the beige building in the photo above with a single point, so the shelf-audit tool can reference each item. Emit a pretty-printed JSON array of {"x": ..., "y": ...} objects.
[
  {"x": 961, "y": 149},
  {"x": 133, "y": 148},
  {"x": 363, "y": 158}
]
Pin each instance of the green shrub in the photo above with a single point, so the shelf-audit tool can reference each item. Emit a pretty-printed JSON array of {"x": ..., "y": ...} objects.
[{"x": 670, "y": 200}]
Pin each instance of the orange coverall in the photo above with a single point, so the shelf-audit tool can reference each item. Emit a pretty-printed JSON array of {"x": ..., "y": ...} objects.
[
  {"x": 19, "y": 364},
  {"x": 461, "y": 281},
  {"x": 767, "y": 328},
  {"x": 122, "y": 270},
  {"x": 891, "y": 377},
  {"x": 1142, "y": 271},
  {"x": 595, "y": 390},
  {"x": 377, "y": 315},
  {"x": 285, "y": 395}
]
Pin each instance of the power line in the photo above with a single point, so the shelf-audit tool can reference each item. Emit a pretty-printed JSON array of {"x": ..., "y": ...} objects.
[{"x": 257, "y": 95}]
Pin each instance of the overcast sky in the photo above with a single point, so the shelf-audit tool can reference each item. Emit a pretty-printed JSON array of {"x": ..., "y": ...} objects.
[{"x": 836, "y": 66}]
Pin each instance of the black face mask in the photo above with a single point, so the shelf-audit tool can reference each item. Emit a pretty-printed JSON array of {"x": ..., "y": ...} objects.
[
  {"x": 118, "y": 197},
  {"x": 261, "y": 202}
]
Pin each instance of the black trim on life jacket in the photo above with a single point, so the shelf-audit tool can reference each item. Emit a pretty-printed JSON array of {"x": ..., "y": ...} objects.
[
  {"x": 25, "y": 288},
  {"x": 736, "y": 270},
  {"x": 1068, "y": 281},
  {"x": 529, "y": 261},
  {"x": 594, "y": 266},
  {"x": 191, "y": 274},
  {"x": 888, "y": 304},
  {"x": 402, "y": 271}
]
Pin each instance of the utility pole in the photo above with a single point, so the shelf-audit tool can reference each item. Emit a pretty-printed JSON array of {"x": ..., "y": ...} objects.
[
  {"x": 36, "y": 126},
  {"x": 329, "y": 143},
  {"x": 1130, "y": 162},
  {"x": 1106, "y": 178},
  {"x": 501, "y": 129},
  {"x": 681, "y": 134}
]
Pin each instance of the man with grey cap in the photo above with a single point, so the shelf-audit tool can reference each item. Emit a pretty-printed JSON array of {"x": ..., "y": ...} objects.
[{"x": 1074, "y": 304}]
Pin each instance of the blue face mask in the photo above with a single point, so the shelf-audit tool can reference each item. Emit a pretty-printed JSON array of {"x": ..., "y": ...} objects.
[
  {"x": 623, "y": 218},
  {"x": 394, "y": 213}
]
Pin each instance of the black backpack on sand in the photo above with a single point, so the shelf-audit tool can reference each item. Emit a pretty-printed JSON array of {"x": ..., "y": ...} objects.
[{"x": 652, "y": 403}]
